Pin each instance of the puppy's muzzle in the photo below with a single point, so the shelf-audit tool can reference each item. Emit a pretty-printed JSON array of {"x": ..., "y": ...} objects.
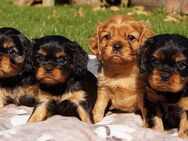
[
  {"x": 49, "y": 68},
  {"x": 165, "y": 75},
  {"x": 117, "y": 48}
]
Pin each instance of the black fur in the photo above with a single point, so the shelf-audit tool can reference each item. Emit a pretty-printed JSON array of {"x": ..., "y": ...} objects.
[
  {"x": 23, "y": 77},
  {"x": 169, "y": 45},
  {"x": 78, "y": 77}
]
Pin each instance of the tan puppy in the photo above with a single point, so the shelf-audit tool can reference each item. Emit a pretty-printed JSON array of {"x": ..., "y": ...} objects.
[{"x": 116, "y": 43}]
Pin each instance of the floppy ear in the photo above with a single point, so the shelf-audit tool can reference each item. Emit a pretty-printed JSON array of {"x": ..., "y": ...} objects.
[
  {"x": 80, "y": 59},
  {"x": 26, "y": 43},
  {"x": 146, "y": 32},
  {"x": 29, "y": 52},
  {"x": 141, "y": 57},
  {"x": 94, "y": 42}
]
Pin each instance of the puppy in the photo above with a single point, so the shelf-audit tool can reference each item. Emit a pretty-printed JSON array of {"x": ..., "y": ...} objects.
[
  {"x": 116, "y": 43},
  {"x": 163, "y": 63},
  {"x": 14, "y": 69},
  {"x": 65, "y": 85}
]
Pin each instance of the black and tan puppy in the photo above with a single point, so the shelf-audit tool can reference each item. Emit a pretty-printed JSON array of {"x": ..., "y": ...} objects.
[
  {"x": 164, "y": 68},
  {"x": 65, "y": 85},
  {"x": 14, "y": 68}
]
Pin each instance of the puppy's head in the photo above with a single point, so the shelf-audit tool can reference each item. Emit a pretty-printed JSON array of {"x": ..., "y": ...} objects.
[
  {"x": 118, "y": 39},
  {"x": 164, "y": 59},
  {"x": 55, "y": 59},
  {"x": 13, "y": 47}
]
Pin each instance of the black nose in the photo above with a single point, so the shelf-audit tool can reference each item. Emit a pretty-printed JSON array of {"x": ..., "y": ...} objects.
[
  {"x": 165, "y": 76},
  {"x": 117, "y": 47},
  {"x": 48, "y": 68}
]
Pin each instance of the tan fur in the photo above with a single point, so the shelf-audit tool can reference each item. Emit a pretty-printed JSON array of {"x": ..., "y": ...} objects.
[
  {"x": 183, "y": 126},
  {"x": 56, "y": 76},
  {"x": 40, "y": 113},
  {"x": 60, "y": 54},
  {"x": 174, "y": 84},
  {"x": 42, "y": 52},
  {"x": 179, "y": 57},
  {"x": 76, "y": 98},
  {"x": 7, "y": 68},
  {"x": 158, "y": 55},
  {"x": 118, "y": 75},
  {"x": 8, "y": 44}
]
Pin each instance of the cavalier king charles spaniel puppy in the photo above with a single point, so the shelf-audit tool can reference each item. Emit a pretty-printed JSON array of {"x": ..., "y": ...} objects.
[
  {"x": 15, "y": 82},
  {"x": 66, "y": 87},
  {"x": 116, "y": 43},
  {"x": 163, "y": 62}
]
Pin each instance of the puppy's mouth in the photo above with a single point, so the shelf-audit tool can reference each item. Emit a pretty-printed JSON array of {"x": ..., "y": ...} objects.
[{"x": 47, "y": 79}]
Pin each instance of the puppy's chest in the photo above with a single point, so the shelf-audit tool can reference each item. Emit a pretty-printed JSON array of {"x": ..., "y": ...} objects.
[
  {"x": 122, "y": 92},
  {"x": 119, "y": 84}
]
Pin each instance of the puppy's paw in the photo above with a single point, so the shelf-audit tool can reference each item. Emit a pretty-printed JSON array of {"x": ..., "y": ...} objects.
[
  {"x": 97, "y": 116},
  {"x": 68, "y": 108},
  {"x": 183, "y": 134}
]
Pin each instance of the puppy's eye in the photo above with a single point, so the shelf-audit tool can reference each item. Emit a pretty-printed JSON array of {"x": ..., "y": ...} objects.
[
  {"x": 181, "y": 65},
  {"x": 107, "y": 37},
  {"x": 11, "y": 51},
  {"x": 40, "y": 59},
  {"x": 62, "y": 60},
  {"x": 131, "y": 38},
  {"x": 155, "y": 61}
]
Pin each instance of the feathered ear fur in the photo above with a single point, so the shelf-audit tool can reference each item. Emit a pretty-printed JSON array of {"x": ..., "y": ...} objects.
[
  {"x": 26, "y": 43},
  {"x": 146, "y": 31},
  {"x": 80, "y": 58},
  {"x": 94, "y": 42},
  {"x": 141, "y": 57},
  {"x": 29, "y": 59}
]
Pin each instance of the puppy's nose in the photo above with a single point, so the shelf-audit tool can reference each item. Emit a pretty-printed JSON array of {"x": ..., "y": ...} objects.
[
  {"x": 117, "y": 47},
  {"x": 165, "y": 76},
  {"x": 48, "y": 68}
]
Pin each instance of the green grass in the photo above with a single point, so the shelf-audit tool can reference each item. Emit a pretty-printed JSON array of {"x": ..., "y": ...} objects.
[{"x": 38, "y": 21}]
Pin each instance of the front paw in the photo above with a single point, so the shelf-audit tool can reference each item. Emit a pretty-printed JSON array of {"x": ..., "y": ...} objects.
[
  {"x": 68, "y": 108},
  {"x": 97, "y": 116},
  {"x": 183, "y": 134}
]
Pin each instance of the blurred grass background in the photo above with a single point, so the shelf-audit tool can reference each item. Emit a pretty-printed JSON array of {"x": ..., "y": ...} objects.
[{"x": 37, "y": 21}]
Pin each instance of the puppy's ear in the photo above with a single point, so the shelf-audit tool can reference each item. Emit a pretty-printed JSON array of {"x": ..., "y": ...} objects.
[
  {"x": 94, "y": 42},
  {"x": 146, "y": 31},
  {"x": 26, "y": 43},
  {"x": 80, "y": 59},
  {"x": 143, "y": 52},
  {"x": 29, "y": 59},
  {"x": 141, "y": 59}
]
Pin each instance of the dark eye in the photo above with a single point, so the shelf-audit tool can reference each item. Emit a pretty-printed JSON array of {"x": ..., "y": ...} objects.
[
  {"x": 107, "y": 37},
  {"x": 62, "y": 60},
  {"x": 11, "y": 51},
  {"x": 180, "y": 65},
  {"x": 40, "y": 59},
  {"x": 155, "y": 61},
  {"x": 131, "y": 38}
]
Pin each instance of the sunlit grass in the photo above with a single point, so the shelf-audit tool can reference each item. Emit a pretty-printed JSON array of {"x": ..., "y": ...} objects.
[{"x": 37, "y": 21}]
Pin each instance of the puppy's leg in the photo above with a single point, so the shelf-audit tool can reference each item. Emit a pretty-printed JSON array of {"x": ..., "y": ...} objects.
[
  {"x": 153, "y": 117},
  {"x": 183, "y": 126},
  {"x": 2, "y": 100},
  {"x": 75, "y": 104},
  {"x": 43, "y": 111},
  {"x": 101, "y": 104},
  {"x": 83, "y": 114},
  {"x": 6, "y": 97},
  {"x": 158, "y": 123}
]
